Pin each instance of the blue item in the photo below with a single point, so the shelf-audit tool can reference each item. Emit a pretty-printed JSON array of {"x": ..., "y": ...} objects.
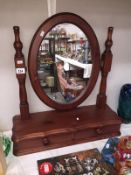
[
  {"x": 109, "y": 150},
  {"x": 124, "y": 106}
]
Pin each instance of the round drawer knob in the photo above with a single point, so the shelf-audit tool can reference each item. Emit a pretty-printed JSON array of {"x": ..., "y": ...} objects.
[
  {"x": 45, "y": 141},
  {"x": 99, "y": 131}
]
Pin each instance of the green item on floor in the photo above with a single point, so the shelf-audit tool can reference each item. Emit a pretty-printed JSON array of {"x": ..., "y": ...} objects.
[{"x": 6, "y": 144}]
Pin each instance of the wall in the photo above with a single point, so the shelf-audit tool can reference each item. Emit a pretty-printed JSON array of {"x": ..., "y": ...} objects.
[{"x": 29, "y": 15}]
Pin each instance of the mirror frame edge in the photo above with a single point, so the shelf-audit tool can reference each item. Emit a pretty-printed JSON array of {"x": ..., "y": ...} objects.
[{"x": 64, "y": 17}]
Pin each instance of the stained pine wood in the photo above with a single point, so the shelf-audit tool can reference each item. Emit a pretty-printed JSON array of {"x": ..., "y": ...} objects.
[
  {"x": 44, "y": 28},
  {"x": 53, "y": 129},
  {"x": 67, "y": 124}
]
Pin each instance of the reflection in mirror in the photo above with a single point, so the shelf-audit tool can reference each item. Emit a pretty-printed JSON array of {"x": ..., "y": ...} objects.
[{"x": 64, "y": 63}]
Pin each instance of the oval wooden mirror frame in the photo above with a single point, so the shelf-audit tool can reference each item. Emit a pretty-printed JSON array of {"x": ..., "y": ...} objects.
[{"x": 34, "y": 48}]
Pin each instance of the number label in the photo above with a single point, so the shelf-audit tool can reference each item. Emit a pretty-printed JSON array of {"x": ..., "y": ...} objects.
[{"x": 20, "y": 70}]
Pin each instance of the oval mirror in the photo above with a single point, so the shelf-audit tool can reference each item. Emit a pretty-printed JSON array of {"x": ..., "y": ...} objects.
[{"x": 64, "y": 61}]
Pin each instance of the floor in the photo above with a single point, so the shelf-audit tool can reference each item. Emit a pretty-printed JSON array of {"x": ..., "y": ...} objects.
[{"x": 27, "y": 165}]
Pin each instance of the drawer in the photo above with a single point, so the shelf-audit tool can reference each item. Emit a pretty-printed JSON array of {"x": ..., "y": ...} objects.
[
  {"x": 96, "y": 133},
  {"x": 64, "y": 139}
]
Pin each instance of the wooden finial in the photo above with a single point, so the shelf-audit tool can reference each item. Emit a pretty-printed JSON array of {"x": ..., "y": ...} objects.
[
  {"x": 18, "y": 44},
  {"x": 106, "y": 62},
  {"x": 109, "y": 41},
  {"x": 21, "y": 74}
]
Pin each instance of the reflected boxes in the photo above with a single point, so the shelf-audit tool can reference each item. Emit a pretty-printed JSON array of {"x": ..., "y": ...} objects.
[{"x": 50, "y": 81}]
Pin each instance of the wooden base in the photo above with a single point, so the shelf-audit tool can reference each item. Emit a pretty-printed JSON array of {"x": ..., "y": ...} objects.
[{"x": 53, "y": 129}]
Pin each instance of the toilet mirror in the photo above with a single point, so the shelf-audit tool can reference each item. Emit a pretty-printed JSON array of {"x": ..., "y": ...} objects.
[{"x": 64, "y": 61}]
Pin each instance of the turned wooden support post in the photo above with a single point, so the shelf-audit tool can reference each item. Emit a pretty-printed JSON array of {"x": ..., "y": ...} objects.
[
  {"x": 106, "y": 61},
  {"x": 21, "y": 74}
]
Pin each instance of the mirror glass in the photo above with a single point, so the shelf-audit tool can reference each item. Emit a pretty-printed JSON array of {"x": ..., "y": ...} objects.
[{"x": 64, "y": 63}]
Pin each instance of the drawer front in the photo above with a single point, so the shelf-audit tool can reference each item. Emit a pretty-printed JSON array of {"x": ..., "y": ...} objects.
[
  {"x": 64, "y": 139},
  {"x": 97, "y": 133}
]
